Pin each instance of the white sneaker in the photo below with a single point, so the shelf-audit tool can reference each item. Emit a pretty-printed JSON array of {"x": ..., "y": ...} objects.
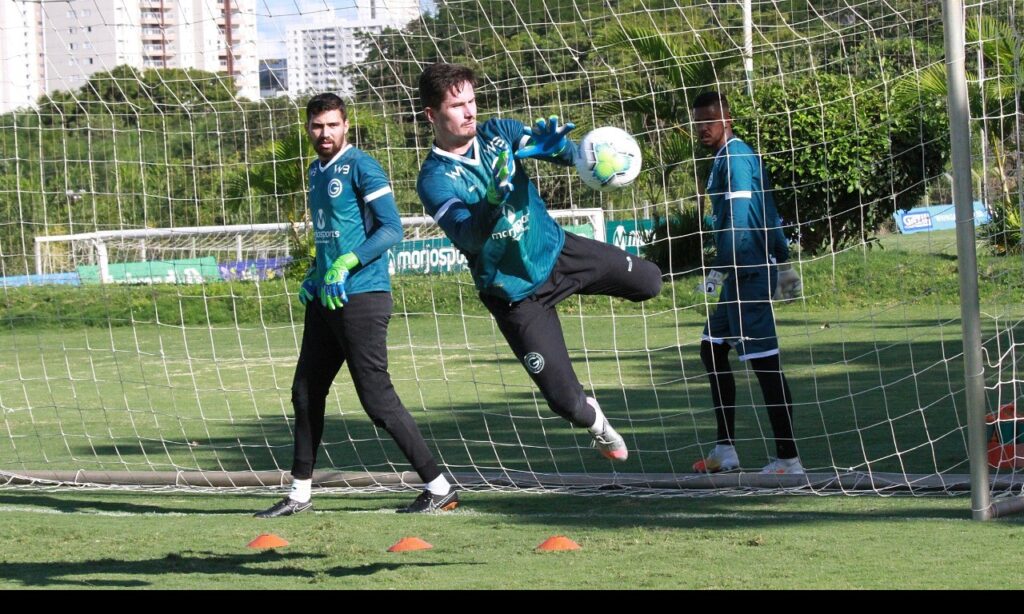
[
  {"x": 722, "y": 458},
  {"x": 608, "y": 442},
  {"x": 784, "y": 466}
]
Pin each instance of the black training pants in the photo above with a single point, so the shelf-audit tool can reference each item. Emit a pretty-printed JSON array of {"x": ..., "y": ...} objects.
[
  {"x": 534, "y": 333},
  {"x": 357, "y": 334}
]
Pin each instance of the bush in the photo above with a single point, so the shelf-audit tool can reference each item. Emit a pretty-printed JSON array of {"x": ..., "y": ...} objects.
[
  {"x": 676, "y": 244},
  {"x": 842, "y": 158}
]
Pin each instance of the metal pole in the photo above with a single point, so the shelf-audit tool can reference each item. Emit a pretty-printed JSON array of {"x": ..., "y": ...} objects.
[
  {"x": 970, "y": 310},
  {"x": 748, "y": 46}
]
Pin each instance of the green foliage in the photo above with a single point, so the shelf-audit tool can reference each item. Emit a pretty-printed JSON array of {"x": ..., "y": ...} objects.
[
  {"x": 672, "y": 74},
  {"x": 836, "y": 150},
  {"x": 133, "y": 149},
  {"x": 676, "y": 244},
  {"x": 997, "y": 98}
]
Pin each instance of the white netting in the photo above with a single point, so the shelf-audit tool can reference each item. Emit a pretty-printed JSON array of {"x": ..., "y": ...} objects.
[{"x": 845, "y": 99}]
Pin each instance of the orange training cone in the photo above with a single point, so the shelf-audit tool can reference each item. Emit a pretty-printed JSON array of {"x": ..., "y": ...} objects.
[
  {"x": 407, "y": 544},
  {"x": 268, "y": 540},
  {"x": 558, "y": 542}
]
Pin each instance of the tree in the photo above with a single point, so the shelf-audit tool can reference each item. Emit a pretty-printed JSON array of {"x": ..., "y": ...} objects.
[{"x": 997, "y": 100}]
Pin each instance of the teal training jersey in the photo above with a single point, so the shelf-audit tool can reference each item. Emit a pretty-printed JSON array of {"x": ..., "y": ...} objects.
[
  {"x": 747, "y": 228},
  {"x": 511, "y": 249},
  {"x": 353, "y": 210}
]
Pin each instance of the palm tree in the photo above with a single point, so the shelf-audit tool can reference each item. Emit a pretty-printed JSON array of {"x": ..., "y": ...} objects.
[
  {"x": 679, "y": 72},
  {"x": 998, "y": 97}
]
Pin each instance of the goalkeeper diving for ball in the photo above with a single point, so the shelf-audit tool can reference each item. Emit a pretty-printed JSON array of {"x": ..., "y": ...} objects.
[
  {"x": 523, "y": 263},
  {"x": 347, "y": 298},
  {"x": 750, "y": 265}
]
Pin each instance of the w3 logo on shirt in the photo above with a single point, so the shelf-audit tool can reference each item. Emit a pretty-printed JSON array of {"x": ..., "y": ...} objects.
[{"x": 455, "y": 173}]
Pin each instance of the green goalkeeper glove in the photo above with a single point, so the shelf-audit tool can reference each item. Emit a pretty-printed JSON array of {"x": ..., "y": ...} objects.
[
  {"x": 309, "y": 287},
  {"x": 332, "y": 293},
  {"x": 548, "y": 139}
]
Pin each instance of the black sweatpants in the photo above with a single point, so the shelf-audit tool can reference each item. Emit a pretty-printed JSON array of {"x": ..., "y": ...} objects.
[
  {"x": 534, "y": 333},
  {"x": 356, "y": 333}
]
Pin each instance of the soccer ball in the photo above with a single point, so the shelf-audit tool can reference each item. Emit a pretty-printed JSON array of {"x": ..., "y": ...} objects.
[{"x": 608, "y": 159}]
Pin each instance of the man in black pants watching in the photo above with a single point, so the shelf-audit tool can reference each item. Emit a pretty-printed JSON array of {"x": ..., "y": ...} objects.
[{"x": 347, "y": 296}]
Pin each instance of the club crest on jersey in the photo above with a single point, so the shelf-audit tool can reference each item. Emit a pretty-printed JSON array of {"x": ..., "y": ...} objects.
[
  {"x": 534, "y": 362},
  {"x": 334, "y": 187}
]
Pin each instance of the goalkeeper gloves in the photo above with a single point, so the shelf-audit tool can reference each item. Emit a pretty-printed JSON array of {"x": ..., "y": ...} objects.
[
  {"x": 308, "y": 289},
  {"x": 548, "y": 139},
  {"x": 789, "y": 285},
  {"x": 332, "y": 293},
  {"x": 712, "y": 282}
]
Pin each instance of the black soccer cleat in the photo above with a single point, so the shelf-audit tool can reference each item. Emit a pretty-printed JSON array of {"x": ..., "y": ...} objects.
[
  {"x": 427, "y": 503},
  {"x": 284, "y": 507}
]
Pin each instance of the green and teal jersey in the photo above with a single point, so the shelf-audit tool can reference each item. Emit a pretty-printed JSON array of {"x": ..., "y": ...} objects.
[
  {"x": 746, "y": 224},
  {"x": 512, "y": 248},
  {"x": 353, "y": 210}
]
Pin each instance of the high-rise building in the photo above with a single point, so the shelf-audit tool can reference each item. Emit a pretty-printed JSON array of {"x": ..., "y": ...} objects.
[
  {"x": 77, "y": 38},
  {"x": 20, "y": 55},
  {"x": 317, "y": 53},
  {"x": 273, "y": 77}
]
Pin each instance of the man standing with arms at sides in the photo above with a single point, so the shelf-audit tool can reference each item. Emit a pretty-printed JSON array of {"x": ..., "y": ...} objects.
[
  {"x": 347, "y": 296},
  {"x": 749, "y": 244},
  {"x": 522, "y": 262}
]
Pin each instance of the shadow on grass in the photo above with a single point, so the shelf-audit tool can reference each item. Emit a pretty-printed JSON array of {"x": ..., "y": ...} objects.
[
  {"x": 86, "y": 503},
  {"x": 81, "y": 573},
  {"x": 717, "y": 513},
  {"x": 65, "y": 573}
]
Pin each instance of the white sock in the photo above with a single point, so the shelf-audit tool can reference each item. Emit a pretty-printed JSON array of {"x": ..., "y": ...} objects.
[
  {"x": 301, "y": 490},
  {"x": 599, "y": 420},
  {"x": 439, "y": 486}
]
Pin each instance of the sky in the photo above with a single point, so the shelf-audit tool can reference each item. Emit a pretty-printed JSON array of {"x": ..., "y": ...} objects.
[{"x": 274, "y": 17}]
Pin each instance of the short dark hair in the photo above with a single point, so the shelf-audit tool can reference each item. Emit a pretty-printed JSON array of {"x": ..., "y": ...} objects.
[
  {"x": 322, "y": 103},
  {"x": 711, "y": 99},
  {"x": 439, "y": 79}
]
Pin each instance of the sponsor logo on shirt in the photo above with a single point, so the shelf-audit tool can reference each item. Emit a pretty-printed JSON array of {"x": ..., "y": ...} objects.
[
  {"x": 495, "y": 145},
  {"x": 518, "y": 226},
  {"x": 334, "y": 187},
  {"x": 322, "y": 235},
  {"x": 455, "y": 173}
]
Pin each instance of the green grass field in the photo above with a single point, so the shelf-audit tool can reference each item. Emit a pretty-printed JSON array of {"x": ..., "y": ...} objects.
[
  {"x": 185, "y": 378},
  {"x": 84, "y": 539}
]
